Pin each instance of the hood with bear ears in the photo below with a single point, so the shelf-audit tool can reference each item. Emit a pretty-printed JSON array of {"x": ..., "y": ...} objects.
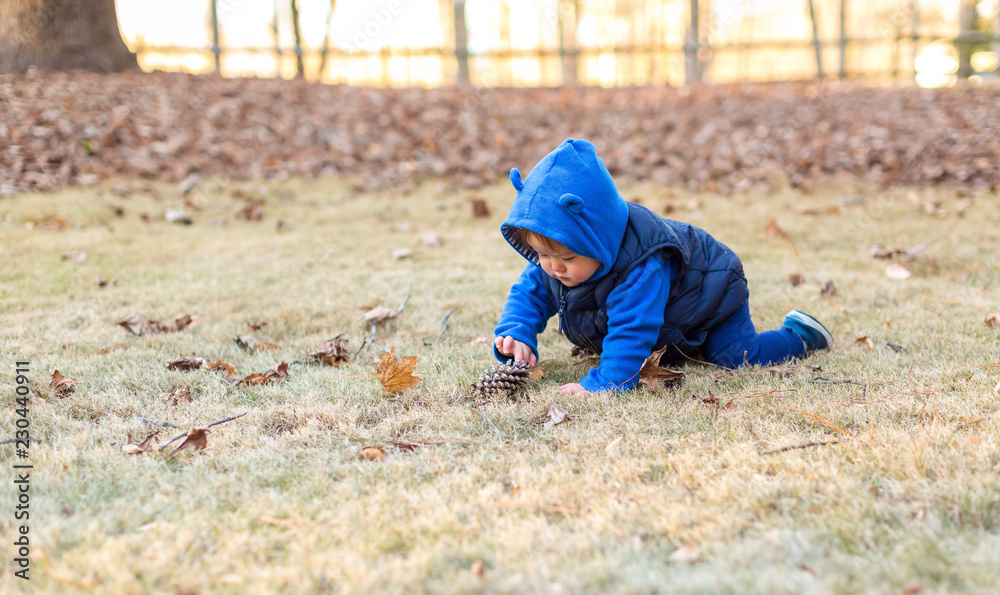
[{"x": 569, "y": 197}]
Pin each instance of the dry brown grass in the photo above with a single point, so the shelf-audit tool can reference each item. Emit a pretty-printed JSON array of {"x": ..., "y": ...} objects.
[{"x": 635, "y": 493}]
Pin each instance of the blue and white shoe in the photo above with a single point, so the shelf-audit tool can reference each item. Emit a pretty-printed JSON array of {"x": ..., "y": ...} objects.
[{"x": 811, "y": 331}]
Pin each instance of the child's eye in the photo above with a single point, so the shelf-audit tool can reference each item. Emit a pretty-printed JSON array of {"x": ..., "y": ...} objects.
[{"x": 568, "y": 259}]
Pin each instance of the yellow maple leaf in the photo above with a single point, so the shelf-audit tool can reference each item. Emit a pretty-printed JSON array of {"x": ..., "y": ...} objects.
[{"x": 396, "y": 375}]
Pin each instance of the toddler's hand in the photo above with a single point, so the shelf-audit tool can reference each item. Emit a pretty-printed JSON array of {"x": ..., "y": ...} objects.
[
  {"x": 573, "y": 388},
  {"x": 516, "y": 349}
]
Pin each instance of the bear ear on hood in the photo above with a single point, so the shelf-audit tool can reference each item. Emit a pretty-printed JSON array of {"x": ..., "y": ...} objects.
[
  {"x": 515, "y": 179},
  {"x": 572, "y": 203}
]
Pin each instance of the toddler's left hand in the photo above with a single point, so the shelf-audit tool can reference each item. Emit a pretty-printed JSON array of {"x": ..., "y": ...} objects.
[{"x": 573, "y": 388}]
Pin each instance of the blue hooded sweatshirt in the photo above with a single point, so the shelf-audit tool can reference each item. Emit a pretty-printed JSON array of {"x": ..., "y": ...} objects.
[{"x": 660, "y": 283}]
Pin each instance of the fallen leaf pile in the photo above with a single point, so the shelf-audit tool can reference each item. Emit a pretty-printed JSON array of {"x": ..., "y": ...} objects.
[
  {"x": 80, "y": 128},
  {"x": 137, "y": 325}
]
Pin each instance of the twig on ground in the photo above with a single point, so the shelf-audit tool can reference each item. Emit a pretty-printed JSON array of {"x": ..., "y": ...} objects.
[
  {"x": 165, "y": 424},
  {"x": 444, "y": 328},
  {"x": 222, "y": 421},
  {"x": 821, "y": 380},
  {"x": 818, "y": 418},
  {"x": 401, "y": 306},
  {"x": 214, "y": 423},
  {"x": 489, "y": 421},
  {"x": 358, "y": 352},
  {"x": 798, "y": 446}
]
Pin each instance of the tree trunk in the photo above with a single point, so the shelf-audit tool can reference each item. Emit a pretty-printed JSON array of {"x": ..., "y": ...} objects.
[
  {"x": 816, "y": 43},
  {"x": 461, "y": 48},
  {"x": 567, "y": 41},
  {"x": 692, "y": 64},
  {"x": 967, "y": 23},
  {"x": 300, "y": 69},
  {"x": 62, "y": 35}
]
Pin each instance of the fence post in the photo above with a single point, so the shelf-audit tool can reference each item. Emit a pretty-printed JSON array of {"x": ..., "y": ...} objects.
[
  {"x": 216, "y": 50},
  {"x": 816, "y": 43}
]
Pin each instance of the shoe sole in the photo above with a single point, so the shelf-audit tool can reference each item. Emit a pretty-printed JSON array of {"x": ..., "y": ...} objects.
[{"x": 812, "y": 323}]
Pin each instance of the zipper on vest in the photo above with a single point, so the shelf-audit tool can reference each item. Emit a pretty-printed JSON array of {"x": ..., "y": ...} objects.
[{"x": 562, "y": 311}]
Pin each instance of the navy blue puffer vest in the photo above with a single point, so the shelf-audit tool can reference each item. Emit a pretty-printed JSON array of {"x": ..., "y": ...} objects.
[{"x": 709, "y": 285}]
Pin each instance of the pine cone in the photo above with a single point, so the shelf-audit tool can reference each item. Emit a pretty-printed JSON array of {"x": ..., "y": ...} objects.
[{"x": 501, "y": 379}]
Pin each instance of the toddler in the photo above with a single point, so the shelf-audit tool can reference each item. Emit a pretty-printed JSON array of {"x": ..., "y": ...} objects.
[{"x": 626, "y": 282}]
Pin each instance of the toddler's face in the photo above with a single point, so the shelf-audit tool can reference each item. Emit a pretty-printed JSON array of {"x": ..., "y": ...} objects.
[{"x": 569, "y": 268}]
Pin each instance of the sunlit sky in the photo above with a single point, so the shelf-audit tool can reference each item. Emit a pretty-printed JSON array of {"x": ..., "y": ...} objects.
[{"x": 368, "y": 26}]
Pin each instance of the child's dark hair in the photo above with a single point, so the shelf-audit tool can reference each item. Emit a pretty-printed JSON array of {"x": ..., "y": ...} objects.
[{"x": 526, "y": 236}]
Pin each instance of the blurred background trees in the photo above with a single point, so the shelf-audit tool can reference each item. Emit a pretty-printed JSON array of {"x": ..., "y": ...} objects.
[{"x": 512, "y": 42}]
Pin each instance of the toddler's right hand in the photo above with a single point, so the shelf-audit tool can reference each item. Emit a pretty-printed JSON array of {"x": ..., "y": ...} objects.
[{"x": 513, "y": 348}]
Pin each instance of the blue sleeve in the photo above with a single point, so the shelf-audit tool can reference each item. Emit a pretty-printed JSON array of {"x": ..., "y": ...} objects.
[
  {"x": 635, "y": 316},
  {"x": 527, "y": 310}
]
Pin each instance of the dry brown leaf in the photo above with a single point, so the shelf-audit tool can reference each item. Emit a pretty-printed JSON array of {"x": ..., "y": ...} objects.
[
  {"x": 77, "y": 256},
  {"x": 815, "y": 210},
  {"x": 378, "y": 314},
  {"x": 795, "y": 279},
  {"x": 865, "y": 343},
  {"x": 253, "y": 211},
  {"x": 279, "y": 373},
  {"x": 477, "y": 568},
  {"x": 407, "y": 446},
  {"x": 730, "y": 406},
  {"x": 991, "y": 320},
  {"x": 774, "y": 230},
  {"x": 897, "y": 271},
  {"x": 578, "y": 351},
  {"x": 177, "y": 395},
  {"x": 256, "y": 326},
  {"x": 480, "y": 210},
  {"x": 63, "y": 386},
  {"x": 272, "y": 375},
  {"x": 432, "y": 240},
  {"x": 685, "y": 554},
  {"x": 249, "y": 343},
  {"x": 537, "y": 373},
  {"x": 781, "y": 371},
  {"x": 556, "y": 416},
  {"x": 227, "y": 370},
  {"x": 196, "y": 439},
  {"x": 186, "y": 363},
  {"x": 132, "y": 448},
  {"x": 333, "y": 352},
  {"x": 829, "y": 289},
  {"x": 372, "y": 453},
  {"x": 137, "y": 325},
  {"x": 396, "y": 376},
  {"x": 652, "y": 374}
]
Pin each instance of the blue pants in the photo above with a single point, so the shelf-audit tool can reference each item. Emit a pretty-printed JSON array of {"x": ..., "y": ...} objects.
[{"x": 727, "y": 343}]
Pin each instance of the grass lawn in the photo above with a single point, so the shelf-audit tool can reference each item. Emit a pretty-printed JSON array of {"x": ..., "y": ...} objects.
[{"x": 636, "y": 492}]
